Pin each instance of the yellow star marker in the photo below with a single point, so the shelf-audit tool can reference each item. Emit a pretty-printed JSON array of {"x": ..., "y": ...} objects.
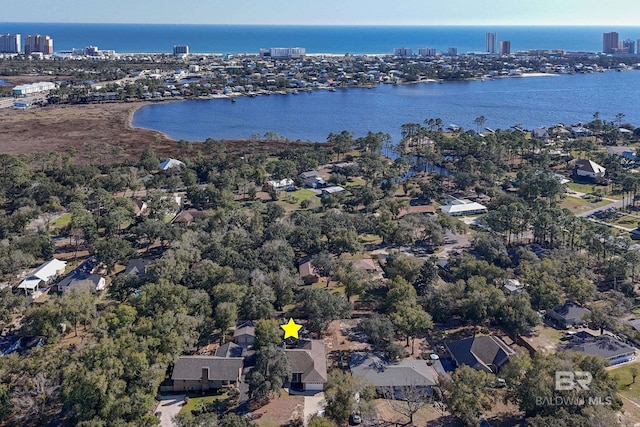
[{"x": 291, "y": 329}]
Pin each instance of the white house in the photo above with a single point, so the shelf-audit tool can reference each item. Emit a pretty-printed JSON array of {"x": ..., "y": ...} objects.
[
  {"x": 463, "y": 207},
  {"x": 170, "y": 164},
  {"x": 589, "y": 169},
  {"x": 42, "y": 275},
  {"x": 279, "y": 185}
]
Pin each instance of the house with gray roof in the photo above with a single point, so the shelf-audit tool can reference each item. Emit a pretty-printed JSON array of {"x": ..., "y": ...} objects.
[
  {"x": 485, "y": 353},
  {"x": 229, "y": 349},
  {"x": 395, "y": 375},
  {"x": 605, "y": 346},
  {"x": 137, "y": 267},
  {"x": 308, "y": 365},
  {"x": 568, "y": 314},
  {"x": 203, "y": 373},
  {"x": 245, "y": 334}
]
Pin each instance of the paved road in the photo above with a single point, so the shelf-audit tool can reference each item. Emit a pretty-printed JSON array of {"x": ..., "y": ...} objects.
[
  {"x": 169, "y": 407},
  {"x": 614, "y": 205}
]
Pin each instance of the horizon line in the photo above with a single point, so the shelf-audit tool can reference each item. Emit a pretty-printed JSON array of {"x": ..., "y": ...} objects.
[{"x": 325, "y": 25}]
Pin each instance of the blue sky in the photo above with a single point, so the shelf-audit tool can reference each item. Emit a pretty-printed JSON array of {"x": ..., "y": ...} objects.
[{"x": 326, "y": 12}]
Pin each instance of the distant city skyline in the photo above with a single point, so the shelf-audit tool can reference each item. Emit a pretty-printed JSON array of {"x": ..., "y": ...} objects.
[{"x": 331, "y": 12}]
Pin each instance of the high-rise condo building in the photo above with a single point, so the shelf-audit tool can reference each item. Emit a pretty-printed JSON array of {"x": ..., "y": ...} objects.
[
  {"x": 629, "y": 46},
  {"x": 38, "y": 43},
  {"x": 505, "y": 47},
  {"x": 491, "y": 42},
  {"x": 427, "y": 51},
  {"x": 403, "y": 52},
  {"x": 10, "y": 43},
  {"x": 180, "y": 50},
  {"x": 452, "y": 51},
  {"x": 609, "y": 42}
]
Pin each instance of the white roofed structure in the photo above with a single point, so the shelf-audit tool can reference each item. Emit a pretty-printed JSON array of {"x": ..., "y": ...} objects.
[
  {"x": 43, "y": 274},
  {"x": 463, "y": 207},
  {"x": 170, "y": 163}
]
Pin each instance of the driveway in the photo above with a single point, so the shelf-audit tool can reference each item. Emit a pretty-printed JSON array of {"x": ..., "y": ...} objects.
[
  {"x": 312, "y": 405},
  {"x": 169, "y": 407}
]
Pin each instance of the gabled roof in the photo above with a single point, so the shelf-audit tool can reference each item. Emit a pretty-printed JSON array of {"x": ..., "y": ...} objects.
[
  {"x": 455, "y": 208},
  {"x": 229, "y": 349},
  {"x": 137, "y": 266},
  {"x": 245, "y": 328},
  {"x": 570, "y": 311},
  {"x": 220, "y": 368},
  {"x": 367, "y": 264},
  {"x": 310, "y": 360},
  {"x": 411, "y": 210},
  {"x": 481, "y": 352},
  {"x": 635, "y": 324},
  {"x": 170, "y": 163},
  {"x": 381, "y": 373},
  {"x": 45, "y": 272},
  {"x": 604, "y": 346},
  {"x": 589, "y": 166},
  {"x": 306, "y": 268},
  {"x": 309, "y": 174}
]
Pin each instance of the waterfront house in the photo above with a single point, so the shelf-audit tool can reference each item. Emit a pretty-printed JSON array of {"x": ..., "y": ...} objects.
[
  {"x": 485, "y": 353},
  {"x": 568, "y": 314},
  {"x": 308, "y": 366},
  {"x": 626, "y": 152},
  {"x": 605, "y": 346}
]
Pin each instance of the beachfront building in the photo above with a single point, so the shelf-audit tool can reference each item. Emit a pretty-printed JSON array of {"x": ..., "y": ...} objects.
[
  {"x": 283, "y": 52},
  {"x": 28, "y": 89},
  {"x": 427, "y": 51},
  {"x": 452, "y": 51},
  {"x": 609, "y": 42},
  {"x": 505, "y": 47},
  {"x": 10, "y": 43},
  {"x": 403, "y": 52},
  {"x": 180, "y": 50},
  {"x": 38, "y": 43},
  {"x": 491, "y": 42}
]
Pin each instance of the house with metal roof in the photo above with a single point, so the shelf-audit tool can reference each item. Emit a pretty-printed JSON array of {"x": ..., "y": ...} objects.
[
  {"x": 42, "y": 276},
  {"x": 459, "y": 207}
]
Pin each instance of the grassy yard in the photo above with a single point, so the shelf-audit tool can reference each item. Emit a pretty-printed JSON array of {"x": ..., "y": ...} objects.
[
  {"x": 62, "y": 221},
  {"x": 629, "y": 391},
  {"x": 196, "y": 401},
  {"x": 354, "y": 182},
  {"x": 626, "y": 221},
  {"x": 290, "y": 201},
  {"x": 577, "y": 204},
  {"x": 583, "y": 188}
]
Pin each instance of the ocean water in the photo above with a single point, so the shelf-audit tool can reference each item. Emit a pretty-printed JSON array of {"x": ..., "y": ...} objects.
[
  {"x": 529, "y": 101},
  {"x": 316, "y": 39}
]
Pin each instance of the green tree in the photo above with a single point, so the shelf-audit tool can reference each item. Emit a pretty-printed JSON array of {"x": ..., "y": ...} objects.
[
  {"x": 113, "y": 250},
  {"x": 225, "y": 316},
  {"x": 270, "y": 373},
  {"x": 466, "y": 395},
  {"x": 268, "y": 333},
  {"x": 321, "y": 307}
]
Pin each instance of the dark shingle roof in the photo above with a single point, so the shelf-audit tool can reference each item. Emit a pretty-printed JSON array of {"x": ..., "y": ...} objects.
[
  {"x": 220, "y": 368},
  {"x": 310, "y": 360},
  {"x": 480, "y": 352},
  {"x": 136, "y": 267},
  {"x": 604, "y": 346},
  {"x": 229, "y": 349},
  {"x": 570, "y": 312}
]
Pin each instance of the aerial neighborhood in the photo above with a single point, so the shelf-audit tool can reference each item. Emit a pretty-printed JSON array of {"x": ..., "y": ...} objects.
[{"x": 461, "y": 277}]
